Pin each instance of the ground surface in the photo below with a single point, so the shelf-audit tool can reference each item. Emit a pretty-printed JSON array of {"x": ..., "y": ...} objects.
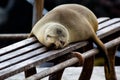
[{"x": 72, "y": 73}]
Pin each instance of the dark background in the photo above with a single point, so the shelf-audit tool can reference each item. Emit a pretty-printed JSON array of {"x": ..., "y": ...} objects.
[{"x": 19, "y": 17}]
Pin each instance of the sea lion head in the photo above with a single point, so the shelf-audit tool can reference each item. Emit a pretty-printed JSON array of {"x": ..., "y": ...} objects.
[{"x": 56, "y": 36}]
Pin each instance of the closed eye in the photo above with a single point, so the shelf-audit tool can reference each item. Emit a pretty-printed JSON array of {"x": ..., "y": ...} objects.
[{"x": 49, "y": 36}]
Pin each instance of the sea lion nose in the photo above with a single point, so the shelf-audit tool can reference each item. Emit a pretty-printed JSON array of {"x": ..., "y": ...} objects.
[
  {"x": 62, "y": 42},
  {"x": 52, "y": 46}
]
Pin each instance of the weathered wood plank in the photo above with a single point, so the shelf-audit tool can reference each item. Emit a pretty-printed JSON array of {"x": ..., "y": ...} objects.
[
  {"x": 19, "y": 52},
  {"x": 108, "y": 30},
  {"x": 14, "y": 36},
  {"x": 109, "y": 22},
  {"x": 102, "y": 19},
  {"x": 16, "y": 45}
]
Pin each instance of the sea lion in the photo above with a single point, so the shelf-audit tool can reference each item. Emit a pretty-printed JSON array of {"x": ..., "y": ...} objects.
[{"x": 66, "y": 24}]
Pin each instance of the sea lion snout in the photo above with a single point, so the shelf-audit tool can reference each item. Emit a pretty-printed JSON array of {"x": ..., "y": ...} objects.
[
  {"x": 56, "y": 45},
  {"x": 54, "y": 42},
  {"x": 51, "y": 46}
]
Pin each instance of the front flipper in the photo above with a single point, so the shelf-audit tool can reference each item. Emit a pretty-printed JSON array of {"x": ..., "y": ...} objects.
[{"x": 79, "y": 56}]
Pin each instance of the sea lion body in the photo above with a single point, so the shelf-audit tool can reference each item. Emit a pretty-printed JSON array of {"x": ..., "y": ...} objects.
[
  {"x": 66, "y": 24},
  {"x": 80, "y": 22}
]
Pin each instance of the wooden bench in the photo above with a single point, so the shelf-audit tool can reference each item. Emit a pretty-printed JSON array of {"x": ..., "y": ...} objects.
[{"x": 25, "y": 55}]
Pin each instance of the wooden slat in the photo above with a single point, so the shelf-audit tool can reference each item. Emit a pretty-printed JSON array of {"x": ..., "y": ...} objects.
[
  {"x": 102, "y": 19},
  {"x": 13, "y": 36},
  {"x": 17, "y": 45},
  {"x": 109, "y": 22},
  {"x": 108, "y": 30},
  {"x": 19, "y": 52}
]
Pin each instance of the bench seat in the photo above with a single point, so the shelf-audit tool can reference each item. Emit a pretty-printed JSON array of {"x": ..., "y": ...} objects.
[{"x": 29, "y": 53}]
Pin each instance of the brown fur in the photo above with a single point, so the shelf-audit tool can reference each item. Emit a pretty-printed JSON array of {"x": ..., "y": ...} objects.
[{"x": 66, "y": 24}]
